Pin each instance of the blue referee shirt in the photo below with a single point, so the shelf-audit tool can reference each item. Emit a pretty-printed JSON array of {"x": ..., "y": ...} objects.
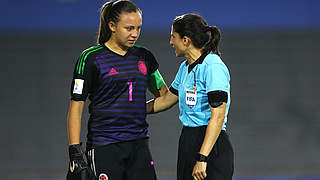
[{"x": 209, "y": 74}]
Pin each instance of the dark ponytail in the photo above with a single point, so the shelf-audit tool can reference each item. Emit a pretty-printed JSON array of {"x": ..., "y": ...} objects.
[
  {"x": 104, "y": 31},
  {"x": 207, "y": 38},
  {"x": 111, "y": 11},
  {"x": 214, "y": 40}
]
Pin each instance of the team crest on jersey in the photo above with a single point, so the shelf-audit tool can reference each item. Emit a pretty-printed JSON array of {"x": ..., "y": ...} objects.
[
  {"x": 103, "y": 176},
  {"x": 142, "y": 67}
]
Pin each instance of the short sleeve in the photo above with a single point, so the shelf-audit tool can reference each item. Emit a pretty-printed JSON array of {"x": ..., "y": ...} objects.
[
  {"x": 177, "y": 80},
  {"x": 155, "y": 81},
  {"x": 83, "y": 77},
  {"x": 152, "y": 63},
  {"x": 217, "y": 78}
]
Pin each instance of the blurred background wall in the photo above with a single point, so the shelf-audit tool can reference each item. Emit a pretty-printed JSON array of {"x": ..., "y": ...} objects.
[{"x": 271, "y": 49}]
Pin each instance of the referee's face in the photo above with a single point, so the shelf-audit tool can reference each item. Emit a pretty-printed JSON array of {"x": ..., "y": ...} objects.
[
  {"x": 177, "y": 43},
  {"x": 127, "y": 30}
]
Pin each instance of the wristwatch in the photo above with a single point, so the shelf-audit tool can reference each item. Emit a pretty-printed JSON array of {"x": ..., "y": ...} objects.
[{"x": 202, "y": 158}]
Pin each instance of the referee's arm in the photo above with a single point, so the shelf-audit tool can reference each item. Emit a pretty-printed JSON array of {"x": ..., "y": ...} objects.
[
  {"x": 212, "y": 134},
  {"x": 74, "y": 121},
  {"x": 214, "y": 128},
  {"x": 162, "y": 103},
  {"x": 161, "y": 92}
]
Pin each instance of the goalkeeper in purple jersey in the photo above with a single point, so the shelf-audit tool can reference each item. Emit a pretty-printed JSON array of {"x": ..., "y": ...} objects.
[{"x": 115, "y": 75}]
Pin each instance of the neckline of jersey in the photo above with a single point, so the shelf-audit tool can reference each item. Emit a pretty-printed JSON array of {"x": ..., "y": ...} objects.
[
  {"x": 198, "y": 61},
  {"x": 104, "y": 46}
]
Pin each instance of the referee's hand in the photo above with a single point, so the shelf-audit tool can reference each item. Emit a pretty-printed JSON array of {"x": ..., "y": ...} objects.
[{"x": 199, "y": 170}]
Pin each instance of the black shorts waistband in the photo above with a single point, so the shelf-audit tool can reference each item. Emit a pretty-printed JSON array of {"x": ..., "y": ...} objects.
[{"x": 187, "y": 128}]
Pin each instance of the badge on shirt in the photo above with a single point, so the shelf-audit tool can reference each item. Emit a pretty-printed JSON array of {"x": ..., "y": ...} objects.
[
  {"x": 191, "y": 98},
  {"x": 78, "y": 86}
]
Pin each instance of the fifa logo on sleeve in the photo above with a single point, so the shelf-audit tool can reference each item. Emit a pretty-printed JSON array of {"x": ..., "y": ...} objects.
[{"x": 78, "y": 86}]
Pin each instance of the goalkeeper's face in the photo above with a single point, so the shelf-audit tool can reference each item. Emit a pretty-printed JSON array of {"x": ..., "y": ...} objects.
[
  {"x": 178, "y": 43},
  {"x": 126, "y": 32}
]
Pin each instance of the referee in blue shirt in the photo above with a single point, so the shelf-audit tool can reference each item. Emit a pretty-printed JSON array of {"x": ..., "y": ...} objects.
[{"x": 203, "y": 90}]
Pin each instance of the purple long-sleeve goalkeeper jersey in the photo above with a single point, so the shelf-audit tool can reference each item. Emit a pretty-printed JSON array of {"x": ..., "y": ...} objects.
[{"x": 116, "y": 86}]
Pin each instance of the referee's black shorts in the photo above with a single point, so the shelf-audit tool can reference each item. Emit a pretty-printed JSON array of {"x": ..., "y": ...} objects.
[
  {"x": 220, "y": 165},
  {"x": 122, "y": 161}
]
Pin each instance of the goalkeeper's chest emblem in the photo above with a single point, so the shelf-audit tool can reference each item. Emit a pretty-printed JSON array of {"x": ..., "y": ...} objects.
[
  {"x": 103, "y": 177},
  {"x": 142, "y": 67},
  {"x": 72, "y": 166}
]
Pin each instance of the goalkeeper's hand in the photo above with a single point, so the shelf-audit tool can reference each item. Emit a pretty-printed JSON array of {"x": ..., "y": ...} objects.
[{"x": 78, "y": 165}]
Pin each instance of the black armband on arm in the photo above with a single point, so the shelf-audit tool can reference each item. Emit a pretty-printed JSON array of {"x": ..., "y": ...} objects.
[
  {"x": 216, "y": 98},
  {"x": 174, "y": 91}
]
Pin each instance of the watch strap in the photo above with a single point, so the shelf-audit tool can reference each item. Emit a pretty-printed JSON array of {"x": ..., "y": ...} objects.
[{"x": 202, "y": 158}]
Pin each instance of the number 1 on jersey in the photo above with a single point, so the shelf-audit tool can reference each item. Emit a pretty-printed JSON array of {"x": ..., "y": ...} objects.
[{"x": 130, "y": 90}]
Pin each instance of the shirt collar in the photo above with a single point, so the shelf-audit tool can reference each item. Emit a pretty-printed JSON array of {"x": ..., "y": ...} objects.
[{"x": 198, "y": 61}]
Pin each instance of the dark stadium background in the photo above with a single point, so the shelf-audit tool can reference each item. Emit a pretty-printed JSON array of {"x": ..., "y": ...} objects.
[{"x": 271, "y": 48}]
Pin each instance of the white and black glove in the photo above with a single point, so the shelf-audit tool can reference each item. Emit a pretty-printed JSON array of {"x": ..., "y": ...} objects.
[{"x": 78, "y": 165}]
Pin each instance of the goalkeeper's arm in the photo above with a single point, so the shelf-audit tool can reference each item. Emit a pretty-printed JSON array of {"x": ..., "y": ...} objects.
[
  {"x": 74, "y": 121},
  {"x": 78, "y": 164}
]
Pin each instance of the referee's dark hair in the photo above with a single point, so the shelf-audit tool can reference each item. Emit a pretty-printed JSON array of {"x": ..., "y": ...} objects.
[
  {"x": 196, "y": 28},
  {"x": 111, "y": 11}
]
